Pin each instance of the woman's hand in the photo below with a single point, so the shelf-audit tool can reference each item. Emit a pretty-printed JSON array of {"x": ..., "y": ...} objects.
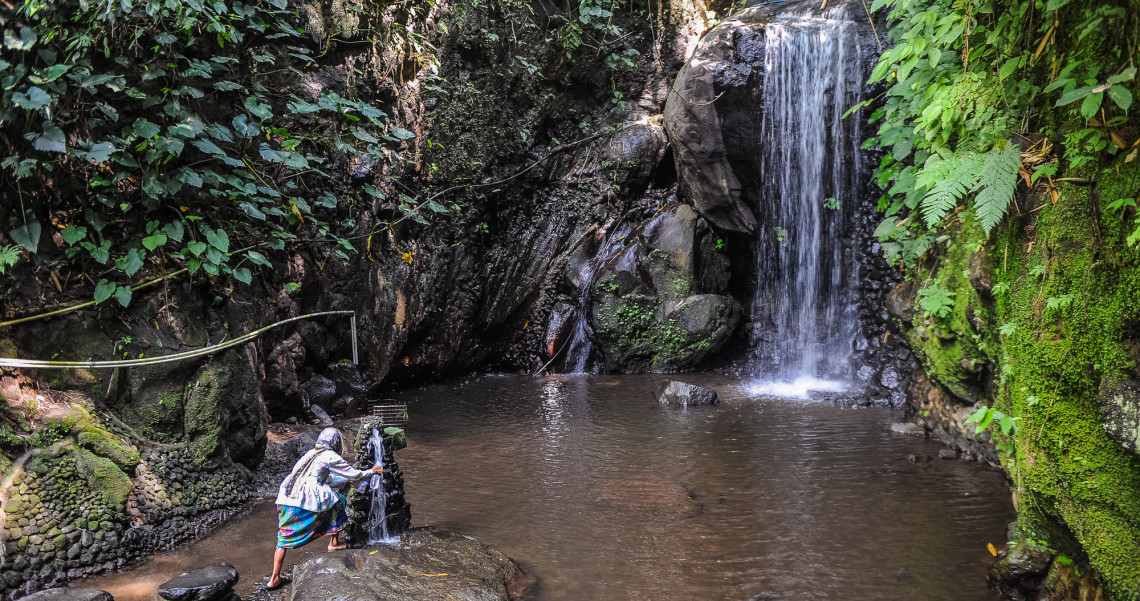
[{"x": 376, "y": 469}]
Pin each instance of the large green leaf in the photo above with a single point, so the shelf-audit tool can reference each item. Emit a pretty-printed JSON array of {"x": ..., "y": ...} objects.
[
  {"x": 1121, "y": 96},
  {"x": 123, "y": 295},
  {"x": 27, "y": 235},
  {"x": 131, "y": 262},
  {"x": 103, "y": 290},
  {"x": 52, "y": 140}
]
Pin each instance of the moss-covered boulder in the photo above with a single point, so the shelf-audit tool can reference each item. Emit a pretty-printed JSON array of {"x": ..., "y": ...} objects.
[
  {"x": 107, "y": 445},
  {"x": 656, "y": 303},
  {"x": 104, "y": 477},
  {"x": 1042, "y": 325},
  {"x": 224, "y": 413}
]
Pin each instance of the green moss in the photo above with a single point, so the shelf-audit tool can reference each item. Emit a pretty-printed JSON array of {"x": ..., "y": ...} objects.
[
  {"x": 105, "y": 444},
  {"x": 104, "y": 477},
  {"x": 1072, "y": 289},
  {"x": 205, "y": 410}
]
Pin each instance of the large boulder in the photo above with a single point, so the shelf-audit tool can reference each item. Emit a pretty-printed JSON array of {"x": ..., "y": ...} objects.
[
  {"x": 428, "y": 564},
  {"x": 70, "y": 594},
  {"x": 657, "y": 303}
]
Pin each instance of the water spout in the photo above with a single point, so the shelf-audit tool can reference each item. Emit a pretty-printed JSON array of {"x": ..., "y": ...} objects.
[{"x": 377, "y": 524}]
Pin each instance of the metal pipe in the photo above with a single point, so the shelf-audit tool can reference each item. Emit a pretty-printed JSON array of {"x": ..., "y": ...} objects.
[
  {"x": 355, "y": 357},
  {"x": 209, "y": 350}
]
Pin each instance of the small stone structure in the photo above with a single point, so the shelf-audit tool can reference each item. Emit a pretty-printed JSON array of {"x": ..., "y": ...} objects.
[{"x": 397, "y": 509}]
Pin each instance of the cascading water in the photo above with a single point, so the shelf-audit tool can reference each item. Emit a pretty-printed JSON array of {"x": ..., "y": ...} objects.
[
  {"x": 377, "y": 524},
  {"x": 804, "y": 311}
]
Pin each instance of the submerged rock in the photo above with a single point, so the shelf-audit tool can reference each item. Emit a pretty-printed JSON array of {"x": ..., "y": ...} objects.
[
  {"x": 907, "y": 428},
  {"x": 70, "y": 594},
  {"x": 426, "y": 565},
  {"x": 684, "y": 394},
  {"x": 211, "y": 583}
]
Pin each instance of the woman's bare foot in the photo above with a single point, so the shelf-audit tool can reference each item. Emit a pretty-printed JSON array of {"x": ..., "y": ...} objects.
[{"x": 336, "y": 547}]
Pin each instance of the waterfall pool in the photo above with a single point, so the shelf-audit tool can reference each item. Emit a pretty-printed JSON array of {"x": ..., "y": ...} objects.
[{"x": 603, "y": 494}]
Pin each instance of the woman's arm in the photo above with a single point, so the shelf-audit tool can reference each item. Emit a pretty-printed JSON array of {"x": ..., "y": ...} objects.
[{"x": 339, "y": 467}]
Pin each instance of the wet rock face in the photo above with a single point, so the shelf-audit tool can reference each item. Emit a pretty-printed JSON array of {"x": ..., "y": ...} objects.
[
  {"x": 657, "y": 302},
  {"x": 1120, "y": 413},
  {"x": 211, "y": 583},
  {"x": 942, "y": 416},
  {"x": 713, "y": 123},
  {"x": 672, "y": 392},
  {"x": 464, "y": 569}
]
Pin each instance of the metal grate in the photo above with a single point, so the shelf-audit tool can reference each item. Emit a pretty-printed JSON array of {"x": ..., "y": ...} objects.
[{"x": 391, "y": 413}]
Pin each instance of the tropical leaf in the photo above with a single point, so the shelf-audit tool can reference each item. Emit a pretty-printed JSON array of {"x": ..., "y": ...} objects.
[
  {"x": 949, "y": 181},
  {"x": 997, "y": 183}
]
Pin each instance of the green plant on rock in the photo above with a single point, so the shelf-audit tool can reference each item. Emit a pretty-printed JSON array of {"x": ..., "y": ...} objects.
[
  {"x": 1007, "y": 425},
  {"x": 936, "y": 301}
]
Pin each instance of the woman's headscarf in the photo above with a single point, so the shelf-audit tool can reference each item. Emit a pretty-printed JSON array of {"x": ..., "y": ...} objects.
[{"x": 329, "y": 439}]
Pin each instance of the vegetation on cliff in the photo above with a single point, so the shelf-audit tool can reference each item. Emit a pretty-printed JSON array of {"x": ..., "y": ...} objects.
[{"x": 1010, "y": 179}]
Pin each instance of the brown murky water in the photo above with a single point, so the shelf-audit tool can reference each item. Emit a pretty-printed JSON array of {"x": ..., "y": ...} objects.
[{"x": 604, "y": 495}]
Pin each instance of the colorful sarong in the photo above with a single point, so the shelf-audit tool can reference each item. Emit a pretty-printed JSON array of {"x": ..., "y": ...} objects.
[{"x": 297, "y": 527}]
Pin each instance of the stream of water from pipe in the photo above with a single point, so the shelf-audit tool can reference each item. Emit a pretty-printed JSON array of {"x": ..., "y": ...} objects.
[{"x": 377, "y": 524}]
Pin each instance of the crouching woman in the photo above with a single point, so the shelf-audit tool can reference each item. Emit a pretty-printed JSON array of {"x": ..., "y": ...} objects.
[{"x": 309, "y": 502}]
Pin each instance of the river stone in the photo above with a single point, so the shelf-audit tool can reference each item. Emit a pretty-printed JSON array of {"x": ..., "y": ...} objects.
[
  {"x": 910, "y": 428},
  {"x": 1120, "y": 413},
  {"x": 70, "y": 594},
  {"x": 205, "y": 584},
  {"x": 466, "y": 568},
  {"x": 322, "y": 417},
  {"x": 672, "y": 392}
]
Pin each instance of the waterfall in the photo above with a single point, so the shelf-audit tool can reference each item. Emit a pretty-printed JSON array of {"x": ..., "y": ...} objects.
[
  {"x": 581, "y": 345},
  {"x": 377, "y": 524},
  {"x": 804, "y": 310}
]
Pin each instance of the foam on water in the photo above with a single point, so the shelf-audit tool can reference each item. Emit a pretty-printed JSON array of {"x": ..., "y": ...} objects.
[{"x": 800, "y": 388}]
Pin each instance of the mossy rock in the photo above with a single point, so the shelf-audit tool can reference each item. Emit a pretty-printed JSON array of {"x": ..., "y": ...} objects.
[
  {"x": 104, "y": 477},
  {"x": 398, "y": 438},
  {"x": 105, "y": 444},
  {"x": 224, "y": 412}
]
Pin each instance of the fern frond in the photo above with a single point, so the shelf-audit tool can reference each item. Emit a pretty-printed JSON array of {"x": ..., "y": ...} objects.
[
  {"x": 998, "y": 181},
  {"x": 952, "y": 180}
]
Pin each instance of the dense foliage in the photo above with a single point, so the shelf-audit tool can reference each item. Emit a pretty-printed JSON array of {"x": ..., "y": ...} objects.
[
  {"x": 961, "y": 118},
  {"x": 159, "y": 133}
]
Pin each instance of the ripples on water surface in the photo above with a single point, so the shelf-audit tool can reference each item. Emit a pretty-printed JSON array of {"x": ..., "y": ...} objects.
[{"x": 604, "y": 495}]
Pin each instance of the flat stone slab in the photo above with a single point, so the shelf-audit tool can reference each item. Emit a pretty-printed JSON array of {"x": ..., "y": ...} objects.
[
  {"x": 672, "y": 392},
  {"x": 205, "y": 584},
  {"x": 70, "y": 594},
  {"x": 427, "y": 565}
]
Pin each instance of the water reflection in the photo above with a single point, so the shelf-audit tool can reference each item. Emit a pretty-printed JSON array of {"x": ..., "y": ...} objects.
[{"x": 604, "y": 494}]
